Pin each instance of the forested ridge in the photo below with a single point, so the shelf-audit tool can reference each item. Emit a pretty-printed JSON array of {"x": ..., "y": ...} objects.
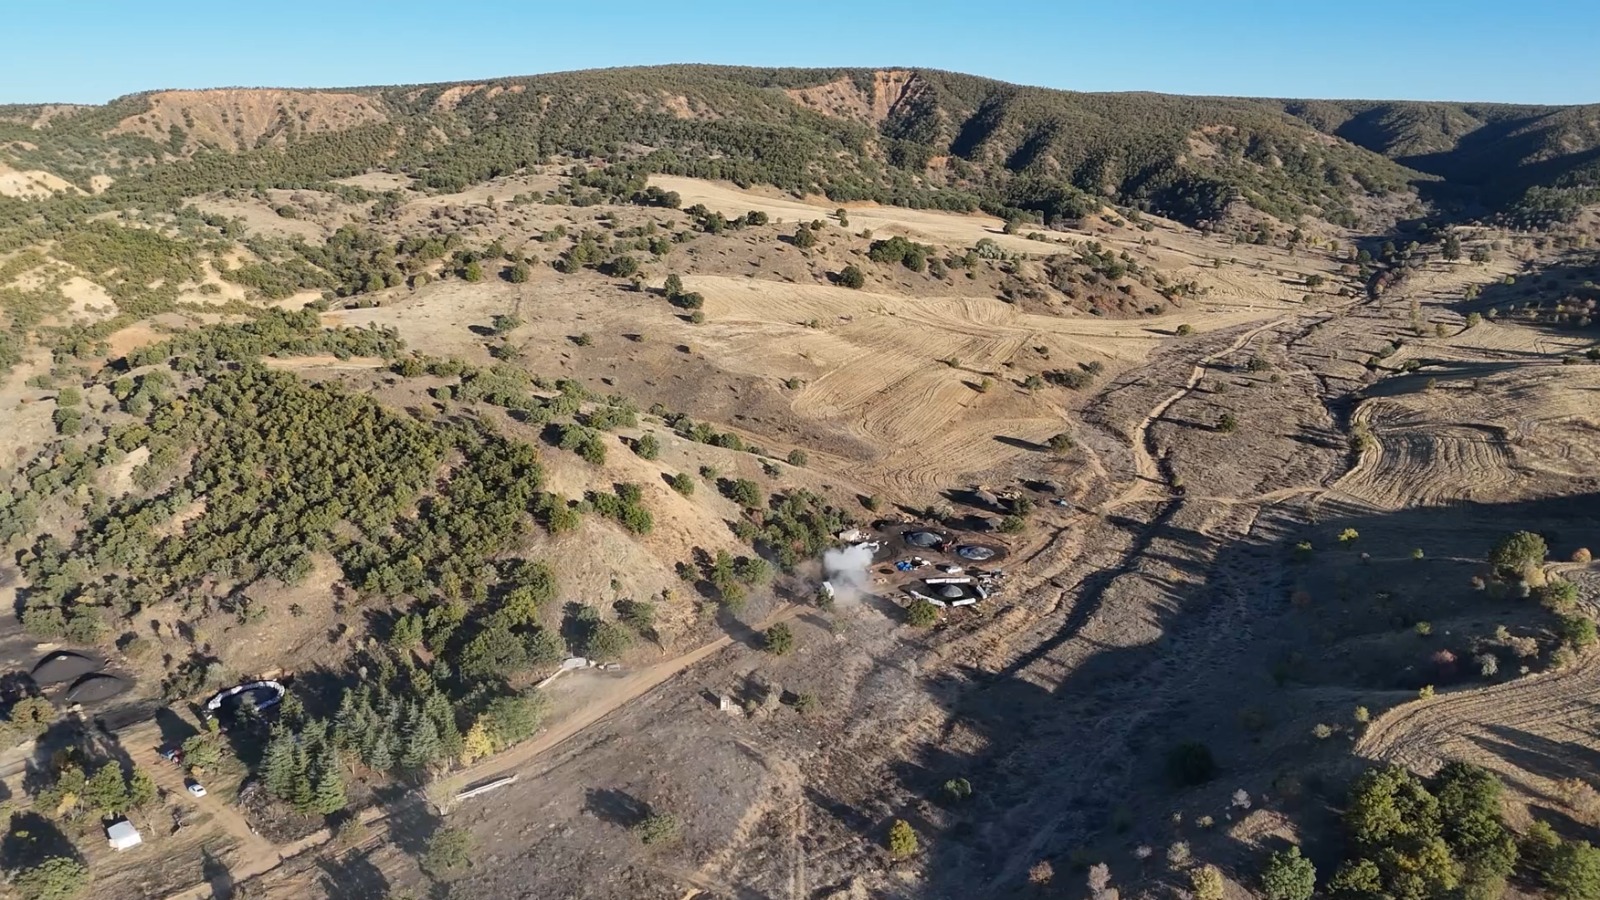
[{"x": 917, "y": 137}]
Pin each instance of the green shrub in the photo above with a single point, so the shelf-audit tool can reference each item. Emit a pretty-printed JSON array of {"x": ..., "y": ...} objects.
[
  {"x": 657, "y": 828},
  {"x": 922, "y": 613},
  {"x": 53, "y": 878},
  {"x": 744, "y": 492},
  {"x": 1288, "y": 876},
  {"x": 449, "y": 852},
  {"x": 1190, "y": 763},
  {"x": 1517, "y": 552},
  {"x": 778, "y": 640},
  {"x": 902, "y": 839},
  {"x": 1579, "y": 631}
]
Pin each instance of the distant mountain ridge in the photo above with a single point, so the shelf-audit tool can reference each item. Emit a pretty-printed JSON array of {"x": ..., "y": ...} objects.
[{"x": 910, "y": 136}]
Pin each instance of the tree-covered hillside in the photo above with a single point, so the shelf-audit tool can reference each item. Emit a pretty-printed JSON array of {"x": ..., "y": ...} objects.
[
  {"x": 912, "y": 137},
  {"x": 1536, "y": 161}
]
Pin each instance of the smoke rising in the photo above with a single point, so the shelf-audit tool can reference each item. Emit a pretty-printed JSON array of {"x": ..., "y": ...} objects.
[{"x": 846, "y": 569}]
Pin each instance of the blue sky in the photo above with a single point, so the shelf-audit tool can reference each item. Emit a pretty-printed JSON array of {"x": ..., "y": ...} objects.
[{"x": 1534, "y": 51}]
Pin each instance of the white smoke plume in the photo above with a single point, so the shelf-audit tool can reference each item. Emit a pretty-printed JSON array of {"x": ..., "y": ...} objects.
[{"x": 846, "y": 572}]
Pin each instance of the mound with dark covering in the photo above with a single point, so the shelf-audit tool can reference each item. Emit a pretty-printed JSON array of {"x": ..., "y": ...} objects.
[
  {"x": 97, "y": 687},
  {"x": 64, "y": 665}
]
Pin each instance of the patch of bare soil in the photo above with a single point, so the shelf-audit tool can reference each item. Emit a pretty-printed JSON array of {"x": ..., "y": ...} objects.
[
  {"x": 243, "y": 118},
  {"x": 32, "y": 184},
  {"x": 891, "y": 90}
]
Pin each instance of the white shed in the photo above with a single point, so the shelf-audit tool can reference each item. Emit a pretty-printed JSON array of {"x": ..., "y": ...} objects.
[{"x": 123, "y": 835}]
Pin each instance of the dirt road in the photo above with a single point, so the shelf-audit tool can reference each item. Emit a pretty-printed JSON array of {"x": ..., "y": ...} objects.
[
  {"x": 1146, "y": 470},
  {"x": 623, "y": 691},
  {"x": 253, "y": 854}
]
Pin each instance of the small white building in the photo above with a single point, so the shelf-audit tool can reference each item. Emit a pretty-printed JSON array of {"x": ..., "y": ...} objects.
[{"x": 123, "y": 835}]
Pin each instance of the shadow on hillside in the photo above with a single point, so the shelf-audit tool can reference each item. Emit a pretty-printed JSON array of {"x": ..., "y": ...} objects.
[
  {"x": 1079, "y": 763},
  {"x": 615, "y": 807},
  {"x": 1560, "y": 299},
  {"x": 31, "y": 839},
  {"x": 352, "y": 876}
]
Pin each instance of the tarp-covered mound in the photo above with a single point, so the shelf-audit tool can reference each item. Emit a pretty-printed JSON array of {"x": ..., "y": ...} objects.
[
  {"x": 975, "y": 552},
  {"x": 924, "y": 538},
  {"x": 64, "y": 665},
  {"x": 94, "y": 688},
  {"x": 260, "y": 694}
]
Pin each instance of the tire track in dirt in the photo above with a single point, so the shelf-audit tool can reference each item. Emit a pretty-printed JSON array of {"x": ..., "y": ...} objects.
[
  {"x": 1481, "y": 725},
  {"x": 1412, "y": 462},
  {"x": 255, "y": 853}
]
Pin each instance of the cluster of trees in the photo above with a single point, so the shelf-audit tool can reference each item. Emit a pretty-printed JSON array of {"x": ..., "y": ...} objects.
[
  {"x": 713, "y": 222},
  {"x": 677, "y": 296},
  {"x": 74, "y": 793},
  {"x": 731, "y": 577},
  {"x": 796, "y": 525},
  {"x": 626, "y": 506},
  {"x": 141, "y": 268},
  {"x": 358, "y": 260},
  {"x": 1515, "y": 561},
  {"x": 339, "y": 471},
  {"x": 1077, "y": 379},
  {"x": 476, "y": 514},
  {"x": 1412, "y": 839},
  {"x": 592, "y": 636},
  {"x": 27, "y": 718},
  {"x": 335, "y": 458},
  {"x": 584, "y": 441},
  {"x": 274, "y": 332},
  {"x": 702, "y": 433},
  {"x": 300, "y": 765},
  {"x": 897, "y": 249},
  {"x": 51, "y": 878},
  {"x": 400, "y": 719}
]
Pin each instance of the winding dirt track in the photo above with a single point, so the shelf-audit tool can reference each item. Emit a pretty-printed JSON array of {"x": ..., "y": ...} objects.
[{"x": 1146, "y": 471}]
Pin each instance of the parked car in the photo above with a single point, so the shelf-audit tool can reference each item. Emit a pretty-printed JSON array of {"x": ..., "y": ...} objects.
[{"x": 195, "y": 788}]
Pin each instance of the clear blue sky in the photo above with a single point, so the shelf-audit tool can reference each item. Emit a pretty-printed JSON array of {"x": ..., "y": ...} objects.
[{"x": 1534, "y": 51}]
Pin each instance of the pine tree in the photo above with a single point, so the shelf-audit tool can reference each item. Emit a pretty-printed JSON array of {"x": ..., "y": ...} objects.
[
  {"x": 300, "y": 788},
  {"x": 278, "y": 763},
  {"x": 350, "y": 721},
  {"x": 142, "y": 789},
  {"x": 328, "y": 796},
  {"x": 381, "y": 756},
  {"x": 419, "y": 741},
  {"x": 106, "y": 792},
  {"x": 314, "y": 733},
  {"x": 438, "y": 708}
]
